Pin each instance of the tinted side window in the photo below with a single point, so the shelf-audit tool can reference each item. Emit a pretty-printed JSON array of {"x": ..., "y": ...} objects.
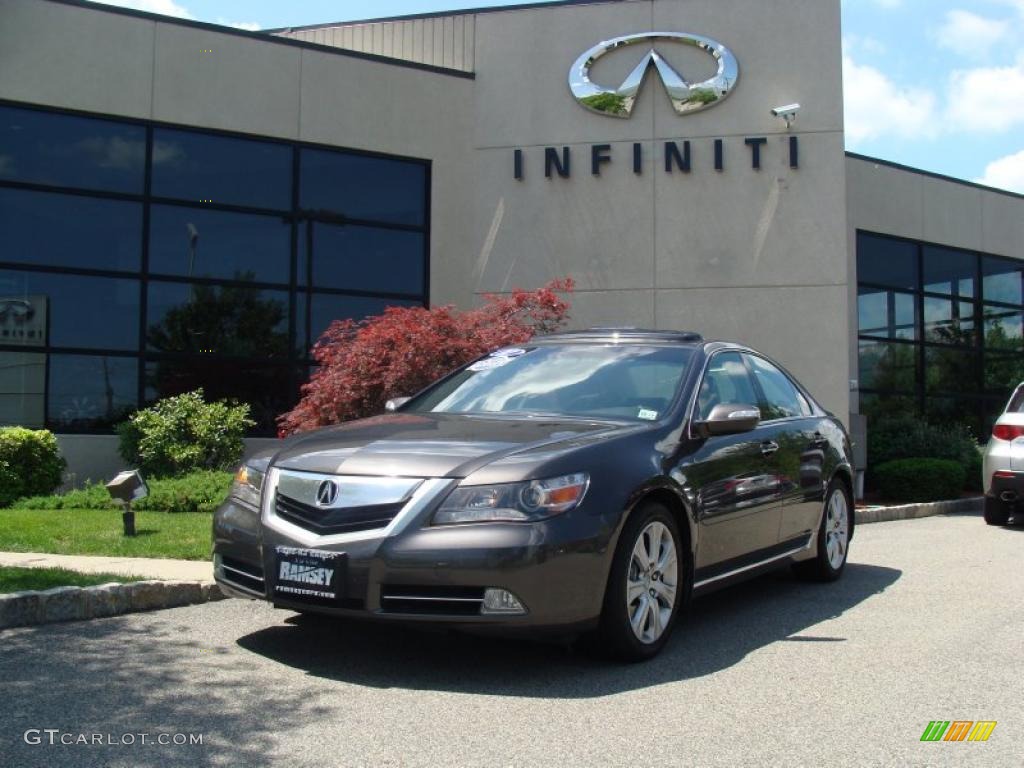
[
  {"x": 725, "y": 381},
  {"x": 782, "y": 399}
]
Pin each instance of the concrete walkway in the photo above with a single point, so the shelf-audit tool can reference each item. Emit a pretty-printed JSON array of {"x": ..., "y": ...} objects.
[{"x": 146, "y": 567}]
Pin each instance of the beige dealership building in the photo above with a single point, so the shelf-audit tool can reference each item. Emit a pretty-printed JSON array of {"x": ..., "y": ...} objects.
[{"x": 158, "y": 175}]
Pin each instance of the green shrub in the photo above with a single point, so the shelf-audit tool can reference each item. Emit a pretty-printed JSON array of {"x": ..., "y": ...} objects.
[
  {"x": 10, "y": 485},
  {"x": 920, "y": 479},
  {"x": 973, "y": 471},
  {"x": 196, "y": 492},
  {"x": 31, "y": 462},
  {"x": 908, "y": 437},
  {"x": 184, "y": 434}
]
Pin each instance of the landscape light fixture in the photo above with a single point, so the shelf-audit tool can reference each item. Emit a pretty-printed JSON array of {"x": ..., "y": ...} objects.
[{"x": 126, "y": 487}]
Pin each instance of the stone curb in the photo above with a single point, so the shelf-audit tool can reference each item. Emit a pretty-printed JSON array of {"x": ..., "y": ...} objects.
[
  {"x": 75, "y": 603},
  {"x": 909, "y": 511}
]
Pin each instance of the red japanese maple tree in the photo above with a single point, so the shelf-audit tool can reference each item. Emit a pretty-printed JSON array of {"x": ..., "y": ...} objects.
[{"x": 363, "y": 364}]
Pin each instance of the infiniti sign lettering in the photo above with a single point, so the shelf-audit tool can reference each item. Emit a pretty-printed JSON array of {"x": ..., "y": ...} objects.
[{"x": 685, "y": 97}]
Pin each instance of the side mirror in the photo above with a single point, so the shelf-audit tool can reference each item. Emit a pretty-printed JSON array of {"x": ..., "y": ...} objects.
[
  {"x": 395, "y": 403},
  {"x": 730, "y": 419}
]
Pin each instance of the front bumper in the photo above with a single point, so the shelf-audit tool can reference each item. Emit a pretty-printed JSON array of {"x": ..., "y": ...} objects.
[{"x": 415, "y": 572}]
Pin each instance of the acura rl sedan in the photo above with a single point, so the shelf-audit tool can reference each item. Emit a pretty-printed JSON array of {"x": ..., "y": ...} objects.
[{"x": 584, "y": 482}]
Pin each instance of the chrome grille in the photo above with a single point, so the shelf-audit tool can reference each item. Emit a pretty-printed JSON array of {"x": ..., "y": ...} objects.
[
  {"x": 323, "y": 521},
  {"x": 431, "y": 600},
  {"x": 241, "y": 574}
]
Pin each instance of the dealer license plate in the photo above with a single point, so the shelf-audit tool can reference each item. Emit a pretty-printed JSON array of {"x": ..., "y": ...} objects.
[{"x": 310, "y": 573}]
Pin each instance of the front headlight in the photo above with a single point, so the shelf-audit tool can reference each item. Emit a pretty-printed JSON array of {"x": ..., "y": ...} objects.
[
  {"x": 248, "y": 485},
  {"x": 513, "y": 502}
]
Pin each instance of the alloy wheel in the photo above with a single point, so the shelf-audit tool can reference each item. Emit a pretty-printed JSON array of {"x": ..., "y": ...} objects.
[
  {"x": 651, "y": 582},
  {"x": 837, "y": 526}
]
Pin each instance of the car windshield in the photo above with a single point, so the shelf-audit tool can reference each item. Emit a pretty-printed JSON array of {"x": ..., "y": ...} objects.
[{"x": 635, "y": 382}]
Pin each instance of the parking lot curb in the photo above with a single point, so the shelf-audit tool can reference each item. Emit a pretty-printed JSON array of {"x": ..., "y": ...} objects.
[
  {"x": 19, "y": 609},
  {"x": 909, "y": 511}
]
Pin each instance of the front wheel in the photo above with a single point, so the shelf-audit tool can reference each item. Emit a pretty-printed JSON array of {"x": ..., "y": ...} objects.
[
  {"x": 833, "y": 537},
  {"x": 647, "y": 587}
]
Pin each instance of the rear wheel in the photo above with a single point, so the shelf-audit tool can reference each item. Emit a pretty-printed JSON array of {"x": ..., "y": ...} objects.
[
  {"x": 997, "y": 511},
  {"x": 648, "y": 585},
  {"x": 833, "y": 537}
]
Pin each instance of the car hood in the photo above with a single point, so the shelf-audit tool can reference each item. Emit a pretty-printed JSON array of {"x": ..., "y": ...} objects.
[{"x": 434, "y": 445}]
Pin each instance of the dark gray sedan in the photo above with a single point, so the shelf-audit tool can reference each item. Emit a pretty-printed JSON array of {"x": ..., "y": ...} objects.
[{"x": 590, "y": 481}]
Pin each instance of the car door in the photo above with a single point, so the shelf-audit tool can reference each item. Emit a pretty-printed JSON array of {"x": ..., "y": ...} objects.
[
  {"x": 798, "y": 463},
  {"x": 737, "y": 494}
]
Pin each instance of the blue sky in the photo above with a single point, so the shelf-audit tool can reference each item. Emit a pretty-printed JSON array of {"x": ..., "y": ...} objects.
[{"x": 934, "y": 84}]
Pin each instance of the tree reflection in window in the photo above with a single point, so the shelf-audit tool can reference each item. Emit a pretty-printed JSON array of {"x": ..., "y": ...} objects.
[{"x": 224, "y": 320}]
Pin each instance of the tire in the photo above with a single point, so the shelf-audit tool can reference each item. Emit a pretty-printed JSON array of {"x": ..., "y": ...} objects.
[
  {"x": 997, "y": 512},
  {"x": 648, "y": 531},
  {"x": 833, "y": 537}
]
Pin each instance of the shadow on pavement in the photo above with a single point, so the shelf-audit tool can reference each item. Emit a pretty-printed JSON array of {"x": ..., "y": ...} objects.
[
  {"x": 118, "y": 680},
  {"x": 719, "y": 630}
]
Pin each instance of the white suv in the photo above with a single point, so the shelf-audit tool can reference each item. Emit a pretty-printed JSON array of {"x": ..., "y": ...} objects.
[{"x": 1003, "y": 468}]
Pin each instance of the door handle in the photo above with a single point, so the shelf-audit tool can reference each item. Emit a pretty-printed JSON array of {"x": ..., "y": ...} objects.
[
  {"x": 768, "y": 447},
  {"x": 818, "y": 440}
]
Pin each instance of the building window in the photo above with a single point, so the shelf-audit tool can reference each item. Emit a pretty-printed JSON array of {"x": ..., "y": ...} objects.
[
  {"x": 139, "y": 261},
  {"x": 941, "y": 331}
]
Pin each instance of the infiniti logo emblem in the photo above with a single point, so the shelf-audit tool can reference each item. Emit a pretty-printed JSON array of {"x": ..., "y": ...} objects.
[
  {"x": 685, "y": 97},
  {"x": 326, "y": 493}
]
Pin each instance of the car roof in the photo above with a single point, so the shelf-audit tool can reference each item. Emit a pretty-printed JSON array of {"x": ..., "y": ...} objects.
[{"x": 623, "y": 334}]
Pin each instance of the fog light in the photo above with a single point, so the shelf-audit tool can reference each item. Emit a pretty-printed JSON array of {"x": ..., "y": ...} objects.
[{"x": 501, "y": 601}]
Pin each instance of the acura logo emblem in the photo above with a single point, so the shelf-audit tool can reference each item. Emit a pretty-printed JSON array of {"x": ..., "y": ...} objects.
[
  {"x": 326, "y": 493},
  {"x": 685, "y": 97}
]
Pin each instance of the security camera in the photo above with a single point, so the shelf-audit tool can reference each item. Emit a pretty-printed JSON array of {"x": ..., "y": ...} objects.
[{"x": 787, "y": 112}]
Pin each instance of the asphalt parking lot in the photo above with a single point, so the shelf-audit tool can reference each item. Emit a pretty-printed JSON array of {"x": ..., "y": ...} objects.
[{"x": 926, "y": 624}]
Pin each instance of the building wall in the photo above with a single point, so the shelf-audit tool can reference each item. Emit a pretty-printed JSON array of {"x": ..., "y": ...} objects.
[
  {"x": 442, "y": 41},
  {"x": 892, "y": 200},
  {"x": 728, "y": 253},
  {"x": 91, "y": 59}
]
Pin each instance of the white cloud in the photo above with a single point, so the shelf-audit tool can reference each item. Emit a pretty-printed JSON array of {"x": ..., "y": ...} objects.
[
  {"x": 986, "y": 99},
  {"x": 875, "y": 106},
  {"x": 1005, "y": 173},
  {"x": 854, "y": 44},
  {"x": 165, "y": 7},
  {"x": 250, "y": 26},
  {"x": 971, "y": 35}
]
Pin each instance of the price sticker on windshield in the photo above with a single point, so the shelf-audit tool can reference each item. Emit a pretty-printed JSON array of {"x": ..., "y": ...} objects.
[{"x": 647, "y": 415}]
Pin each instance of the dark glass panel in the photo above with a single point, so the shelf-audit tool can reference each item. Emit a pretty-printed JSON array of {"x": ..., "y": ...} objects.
[
  {"x": 88, "y": 392},
  {"x": 238, "y": 321},
  {"x": 367, "y": 259},
  {"x": 326, "y": 308},
  {"x": 887, "y": 366},
  {"x": 954, "y": 410},
  {"x": 886, "y": 261},
  {"x": 266, "y": 388},
  {"x": 71, "y": 151},
  {"x": 953, "y": 371},
  {"x": 69, "y": 310},
  {"x": 1001, "y": 280},
  {"x": 221, "y": 169},
  {"x": 22, "y": 389},
  {"x": 951, "y": 272},
  {"x": 1003, "y": 373},
  {"x": 882, "y": 406},
  {"x": 949, "y": 322},
  {"x": 55, "y": 230},
  {"x": 885, "y": 313},
  {"x": 207, "y": 243},
  {"x": 362, "y": 187},
  {"x": 1003, "y": 328}
]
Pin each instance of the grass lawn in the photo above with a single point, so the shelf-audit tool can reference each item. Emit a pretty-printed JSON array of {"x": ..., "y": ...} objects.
[
  {"x": 181, "y": 535},
  {"x": 20, "y": 579}
]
